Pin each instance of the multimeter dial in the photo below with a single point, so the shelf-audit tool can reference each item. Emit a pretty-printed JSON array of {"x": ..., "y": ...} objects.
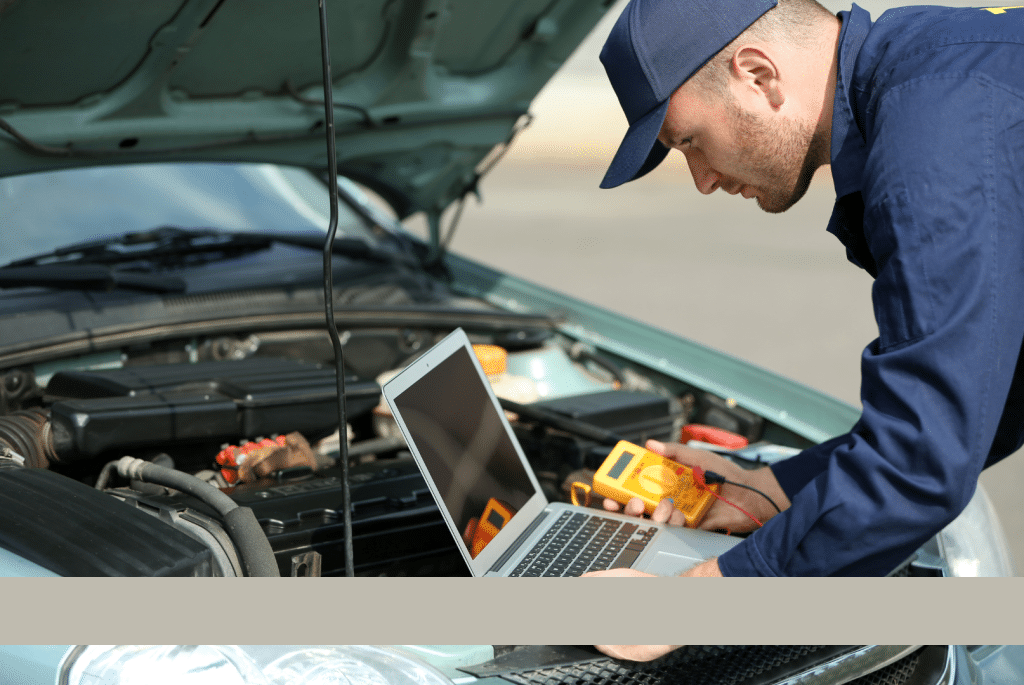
[{"x": 659, "y": 480}]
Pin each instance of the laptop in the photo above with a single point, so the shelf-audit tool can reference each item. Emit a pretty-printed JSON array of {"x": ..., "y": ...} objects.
[{"x": 489, "y": 496}]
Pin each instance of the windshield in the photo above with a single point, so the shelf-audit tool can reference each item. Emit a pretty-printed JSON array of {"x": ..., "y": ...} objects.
[{"x": 40, "y": 212}]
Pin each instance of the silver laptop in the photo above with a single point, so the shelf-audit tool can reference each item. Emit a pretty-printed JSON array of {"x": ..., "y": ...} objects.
[{"x": 490, "y": 499}]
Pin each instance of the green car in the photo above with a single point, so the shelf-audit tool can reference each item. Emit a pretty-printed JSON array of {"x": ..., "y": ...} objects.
[
  {"x": 168, "y": 393},
  {"x": 504, "y": 664}
]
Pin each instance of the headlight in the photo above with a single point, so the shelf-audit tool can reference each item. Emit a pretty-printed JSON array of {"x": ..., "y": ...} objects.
[
  {"x": 974, "y": 543},
  {"x": 245, "y": 665}
]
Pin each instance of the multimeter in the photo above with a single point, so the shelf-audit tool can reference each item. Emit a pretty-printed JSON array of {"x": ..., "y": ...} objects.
[
  {"x": 631, "y": 471},
  {"x": 480, "y": 531}
]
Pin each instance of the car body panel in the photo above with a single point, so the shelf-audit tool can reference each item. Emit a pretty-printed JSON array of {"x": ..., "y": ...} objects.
[
  {"x": 424, "y": 90},
  {"x": 956, "y": 665}
]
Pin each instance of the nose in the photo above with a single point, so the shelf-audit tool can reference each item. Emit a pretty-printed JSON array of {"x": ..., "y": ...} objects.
[{"x": 705, "y": 178}]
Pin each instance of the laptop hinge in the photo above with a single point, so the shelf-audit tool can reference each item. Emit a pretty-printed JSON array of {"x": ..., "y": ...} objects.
[{"x": 519, "y": 541}]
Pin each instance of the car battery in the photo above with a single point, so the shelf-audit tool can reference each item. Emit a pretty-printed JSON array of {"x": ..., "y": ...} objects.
[{"x": 634, "y": 415}]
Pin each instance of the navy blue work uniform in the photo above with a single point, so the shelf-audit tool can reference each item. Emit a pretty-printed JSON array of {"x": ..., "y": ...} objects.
[{"x": 928, "y": 164}]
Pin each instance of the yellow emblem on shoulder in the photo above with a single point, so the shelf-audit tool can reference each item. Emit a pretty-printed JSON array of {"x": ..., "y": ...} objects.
[{"x": 1002, "y": 10}]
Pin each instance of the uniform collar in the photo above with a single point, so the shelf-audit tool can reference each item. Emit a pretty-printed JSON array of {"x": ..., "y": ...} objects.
[{"x": 848, "y": 152}]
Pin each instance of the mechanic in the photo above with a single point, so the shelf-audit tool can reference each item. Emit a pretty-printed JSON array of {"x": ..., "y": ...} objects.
[{"x": 921, "y": 116}]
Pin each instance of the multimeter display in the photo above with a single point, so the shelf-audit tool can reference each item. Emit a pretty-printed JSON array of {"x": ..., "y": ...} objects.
[
  {"x": 621, "y": 464},
  {"x": 631, "y": 471}
]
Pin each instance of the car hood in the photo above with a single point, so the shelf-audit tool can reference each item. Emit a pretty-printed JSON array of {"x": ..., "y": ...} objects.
[{"x": 424, "y": 90}]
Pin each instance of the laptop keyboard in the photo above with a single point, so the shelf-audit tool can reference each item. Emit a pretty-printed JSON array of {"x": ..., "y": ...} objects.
[{"x": 578, "y": 543}]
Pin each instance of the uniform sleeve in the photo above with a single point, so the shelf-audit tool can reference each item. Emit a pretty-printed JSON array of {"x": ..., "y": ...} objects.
[{"x": 944, "y": 222}]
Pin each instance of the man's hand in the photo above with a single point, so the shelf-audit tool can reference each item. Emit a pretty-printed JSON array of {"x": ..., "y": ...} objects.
[
  {"x": 720, "y": 516},
  {"x": 705, "y": 569},
  {"x": 636, "y": 652}
]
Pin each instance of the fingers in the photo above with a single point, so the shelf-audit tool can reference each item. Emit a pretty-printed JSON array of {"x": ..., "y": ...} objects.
[
  {"x": 636, "y": 652},
  {"x": 688, "y": 456},
  {"x": 611, "y": 505},
  {"x": 666, "y": 512},
  {"x": 618, "y": 573},
  {"x": 635, "y": 506}
]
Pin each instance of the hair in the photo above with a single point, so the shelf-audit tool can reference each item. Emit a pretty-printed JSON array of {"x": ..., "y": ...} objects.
[{"x": 796, "y": 22}]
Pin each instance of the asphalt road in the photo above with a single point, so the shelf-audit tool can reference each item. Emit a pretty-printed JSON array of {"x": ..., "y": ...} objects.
[{"x": 775, "y": 290}]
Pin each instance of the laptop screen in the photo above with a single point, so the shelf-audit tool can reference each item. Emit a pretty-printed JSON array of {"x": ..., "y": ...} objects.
[{"x": 465, "y": 446}]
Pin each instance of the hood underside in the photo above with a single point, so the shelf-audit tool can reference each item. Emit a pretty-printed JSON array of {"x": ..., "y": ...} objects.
[{"x": 424, "y": 90}]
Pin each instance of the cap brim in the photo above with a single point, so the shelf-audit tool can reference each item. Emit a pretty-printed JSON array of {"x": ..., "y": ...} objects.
[{"x": 640, "y": 150}]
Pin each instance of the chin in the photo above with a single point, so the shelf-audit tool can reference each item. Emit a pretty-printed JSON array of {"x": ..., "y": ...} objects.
[{"x": 776, "y": 203}]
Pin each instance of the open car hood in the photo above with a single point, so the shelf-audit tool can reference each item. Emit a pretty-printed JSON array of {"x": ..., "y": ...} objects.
[{"x": 424, "y": 90}]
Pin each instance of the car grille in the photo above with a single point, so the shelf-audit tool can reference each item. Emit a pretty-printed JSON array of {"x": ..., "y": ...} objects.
[
  {"x": 896, "y": 673},
  {"x": 712, "y": 665}
]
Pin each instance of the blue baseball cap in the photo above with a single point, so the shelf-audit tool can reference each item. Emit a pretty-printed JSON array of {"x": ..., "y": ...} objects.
[{"x": 654, "y": 47}]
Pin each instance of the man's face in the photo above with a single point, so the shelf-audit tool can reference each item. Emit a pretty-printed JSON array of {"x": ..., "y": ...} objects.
[{"x": 742, "y": 151}]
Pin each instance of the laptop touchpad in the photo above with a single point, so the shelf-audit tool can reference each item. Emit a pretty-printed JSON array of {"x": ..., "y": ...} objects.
[{"x": 668, "y": 564}]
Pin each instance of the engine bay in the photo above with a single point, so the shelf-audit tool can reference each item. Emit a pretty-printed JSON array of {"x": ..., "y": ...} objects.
[{"x": 185, "y": 403}]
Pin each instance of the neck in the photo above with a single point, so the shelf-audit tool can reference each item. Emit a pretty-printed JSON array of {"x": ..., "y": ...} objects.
[{"x": 822, "y": 146}]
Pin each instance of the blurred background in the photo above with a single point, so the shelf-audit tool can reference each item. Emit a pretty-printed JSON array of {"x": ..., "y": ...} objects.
[{"x": 775, "y": 290}]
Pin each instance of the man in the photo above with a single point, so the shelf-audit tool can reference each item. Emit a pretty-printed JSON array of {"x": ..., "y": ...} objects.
[{"x": 921, "y": 116}]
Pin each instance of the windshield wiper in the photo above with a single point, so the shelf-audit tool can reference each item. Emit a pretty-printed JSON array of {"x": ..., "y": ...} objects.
[
  {"x": 87, "y": 277},
  {"x": 165, "y": 245},
  {"x": 174, "y": 246}
]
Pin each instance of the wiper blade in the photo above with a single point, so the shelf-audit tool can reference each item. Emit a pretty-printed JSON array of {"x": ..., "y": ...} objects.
[
  {"x": 158, "y": 245},
  {"x": 87, "y": 277},
  {"x": 174, "y": 246}
]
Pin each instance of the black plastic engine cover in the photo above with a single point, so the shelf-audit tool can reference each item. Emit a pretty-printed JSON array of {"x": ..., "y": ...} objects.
[
  {"x": 142, "y": 406},
  {"x": 74, "y": 530}
]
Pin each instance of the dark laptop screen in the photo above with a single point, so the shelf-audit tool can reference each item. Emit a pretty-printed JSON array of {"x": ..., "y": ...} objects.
[{"x": 465, "y": 446}]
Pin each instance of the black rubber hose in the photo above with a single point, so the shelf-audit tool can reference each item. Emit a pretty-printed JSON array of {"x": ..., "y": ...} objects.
[
  {"x": 239, "y": 522},
  {"x": 579, "y": 352}
]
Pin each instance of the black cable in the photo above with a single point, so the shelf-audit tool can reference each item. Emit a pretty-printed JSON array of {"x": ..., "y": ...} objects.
[
  {"x": 289, "y": 89},
  {"x": 332, "y": 328},
  {"x": 710, "y": 477}
]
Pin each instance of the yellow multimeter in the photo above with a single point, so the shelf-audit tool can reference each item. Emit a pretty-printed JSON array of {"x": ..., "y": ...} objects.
[{"x": 631, "y": 471}]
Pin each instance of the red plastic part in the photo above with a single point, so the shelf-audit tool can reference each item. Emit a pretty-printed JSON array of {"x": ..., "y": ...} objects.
[
  {"x": 715, "y": 436},
  {"x": 232, "y": 456}
]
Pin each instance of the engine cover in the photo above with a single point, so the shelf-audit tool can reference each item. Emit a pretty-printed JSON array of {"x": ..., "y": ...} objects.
[{"x": 154, "y": 406}]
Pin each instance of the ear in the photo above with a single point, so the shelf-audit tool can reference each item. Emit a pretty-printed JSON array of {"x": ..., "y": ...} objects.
[{"x": 757, "y": 75}]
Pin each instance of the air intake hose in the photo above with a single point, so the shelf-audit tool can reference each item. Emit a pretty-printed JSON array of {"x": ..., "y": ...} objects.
[{"x": 239, "y": 522}]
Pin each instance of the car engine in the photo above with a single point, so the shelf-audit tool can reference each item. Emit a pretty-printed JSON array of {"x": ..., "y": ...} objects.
[{"x": 181, "y": 404}]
